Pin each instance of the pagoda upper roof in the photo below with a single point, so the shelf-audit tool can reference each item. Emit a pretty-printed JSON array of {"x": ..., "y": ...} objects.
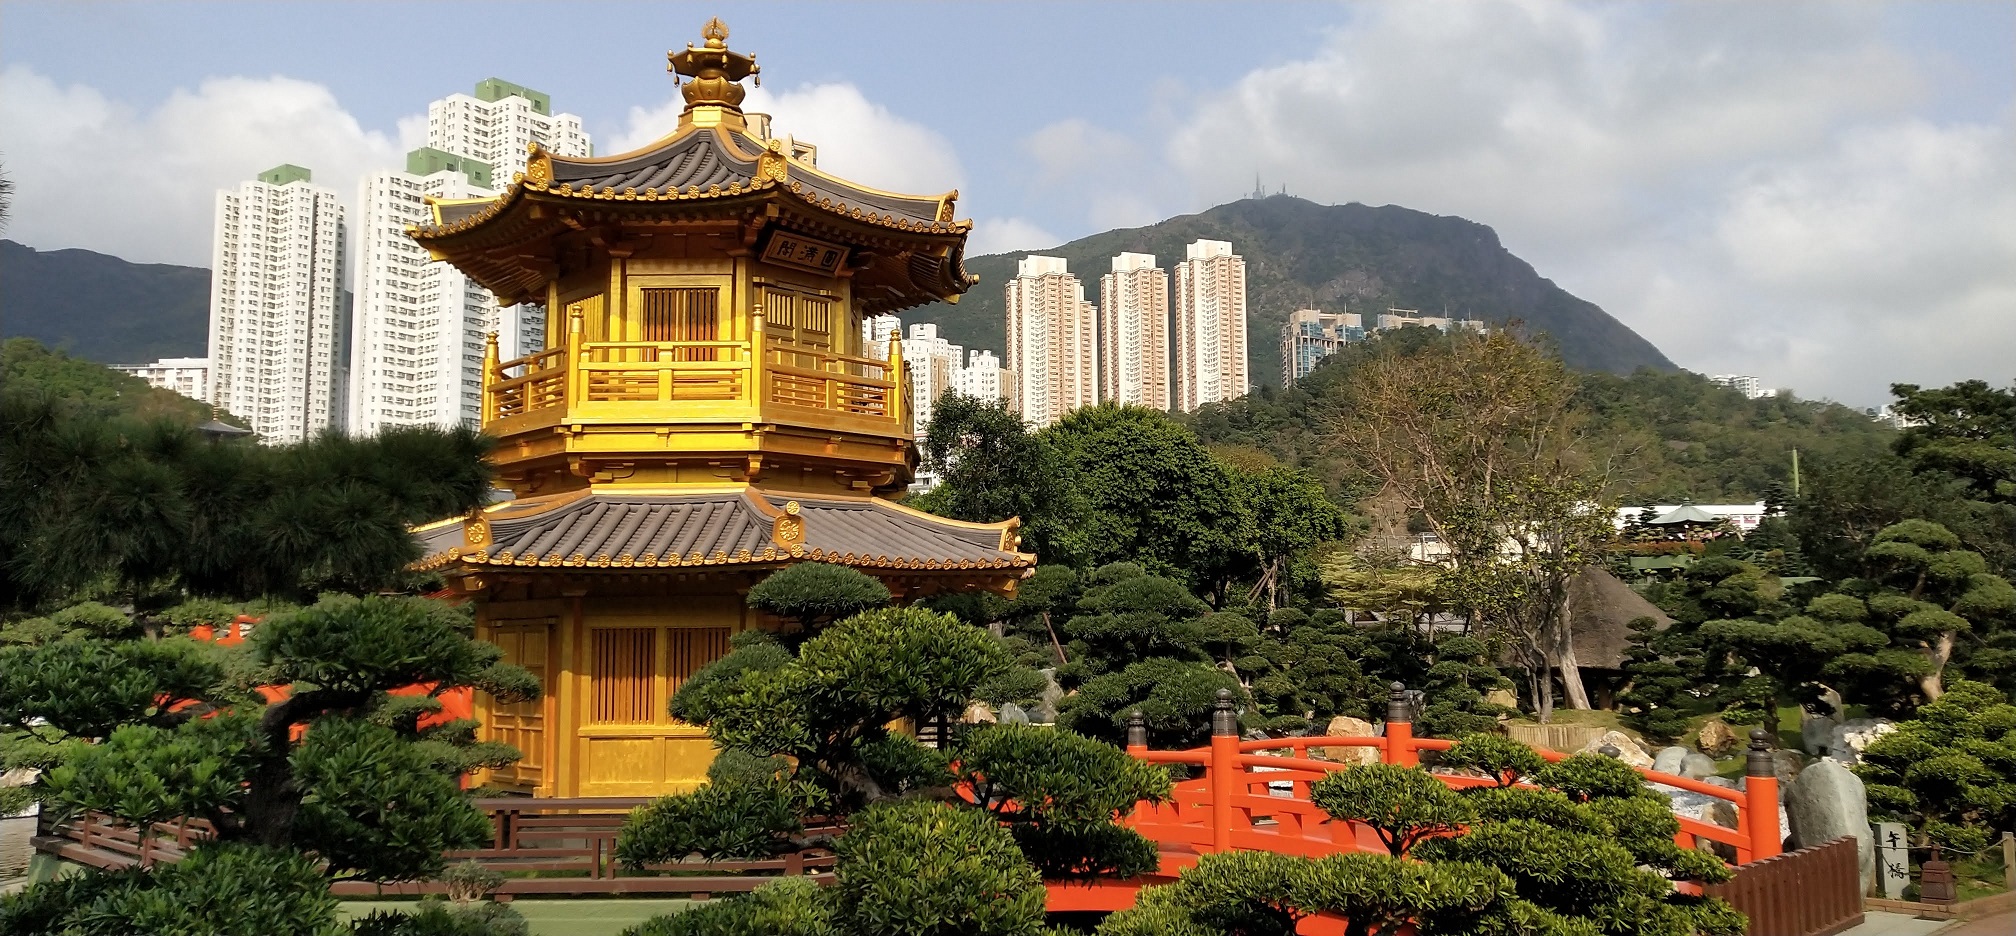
[
  {"x": 705, "y": 163},
  {"x": 745, "y": 526}
]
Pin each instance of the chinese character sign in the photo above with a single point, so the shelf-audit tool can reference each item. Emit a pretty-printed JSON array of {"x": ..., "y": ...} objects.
[{"x": 1893, "y": 859}]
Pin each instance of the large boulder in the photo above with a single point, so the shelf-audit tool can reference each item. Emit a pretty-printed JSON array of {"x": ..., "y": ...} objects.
[
  {"x": 1850, "y": 738},
  {"x": 1697, "y": 766},
  {"x": 1816, "y": 732},
  {"x": 978, "y": 714},
  {"x": 1012, "y": 714},
  {"x": 1826, "y": 802},
  {"x": 1669, "y": 759},
  {"x": 1716, "y": 739},
  {"x": 1628, "y": 750},
  {"x": 1344, "y": 726}
]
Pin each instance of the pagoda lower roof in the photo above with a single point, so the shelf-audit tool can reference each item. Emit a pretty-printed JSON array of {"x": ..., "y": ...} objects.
[{"x": 749, "y": 526}]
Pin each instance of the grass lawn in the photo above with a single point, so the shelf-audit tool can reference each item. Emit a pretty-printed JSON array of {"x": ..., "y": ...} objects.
[{"x": 559, "y": 917}]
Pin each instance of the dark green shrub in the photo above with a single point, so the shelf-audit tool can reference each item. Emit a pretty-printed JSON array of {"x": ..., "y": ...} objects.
[
  {"x": 811, "y": 595},
  {"x": 932, "y": 869},
  {"x": 218, "y": 890},
  {"x": 719, "y": 820},
  {"x": 1402, "y": 805},
  {"x": 1502, "y": 759},
  {"x": 784, "y": 907},
  {"x": 1589, "y": 776},
  {"x": 1061, "y": 794},
  {"x": 379, "y": 808}
]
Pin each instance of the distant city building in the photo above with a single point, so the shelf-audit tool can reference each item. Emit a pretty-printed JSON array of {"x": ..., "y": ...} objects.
[
  {"x": 983, "y": 378},
  {"x": 1134, "y": 332},
  {"x": 1053, "y": 345},
  {"x": 1210, "y": 325},
  {"x": 189, "y": 376},
  {"x": 1744, "y": 517},
  {"x": 417, "y": 351},
  {"x": 278, "y": 310},
  {"x": 934, "y": 365},
  {"x": 1749, "y": 386},
  {"x": 875, "y": 333},
  {"x": 1401, "y": 318},
  {"x": 1310, "y": 335},
  {"x": 1888, "y": 415}
]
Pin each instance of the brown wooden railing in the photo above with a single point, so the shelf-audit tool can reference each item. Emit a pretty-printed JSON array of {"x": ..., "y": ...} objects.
[
  {"x": 1810, "y": 892},
  {"x": 548, "y": 846}
]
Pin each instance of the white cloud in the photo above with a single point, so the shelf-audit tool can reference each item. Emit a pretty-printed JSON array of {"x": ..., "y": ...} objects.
[
  {"x": 92, "y": 173},
  {"x": 858, "y": 139},
  {"x": 1745, "y": 185},
  {"x": 1008, "y": 235}
]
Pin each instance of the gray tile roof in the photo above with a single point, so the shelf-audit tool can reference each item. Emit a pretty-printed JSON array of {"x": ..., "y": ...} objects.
[{"x": 651, "y": 530}]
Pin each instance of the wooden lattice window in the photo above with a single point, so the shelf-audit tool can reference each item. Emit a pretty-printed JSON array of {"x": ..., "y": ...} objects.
[
  {"x": 625, "y": 663},
  {"x": 803, "y": 319},
  {"x": 692, "y": 648},
  {"x": 683, "y": 314}
]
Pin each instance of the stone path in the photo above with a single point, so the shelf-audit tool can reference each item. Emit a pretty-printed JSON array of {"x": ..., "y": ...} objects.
[{"x": 1884, "y": 923}]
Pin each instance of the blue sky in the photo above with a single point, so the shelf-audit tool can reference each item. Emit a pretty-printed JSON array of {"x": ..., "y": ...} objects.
[{"x": 1823, "y": 195}]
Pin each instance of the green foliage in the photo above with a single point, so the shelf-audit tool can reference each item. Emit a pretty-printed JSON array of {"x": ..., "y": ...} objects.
[
  {"x": 751, "y": 650},
  {"x": 783, "y": 907},
  {"x": 376, "y": 805},
  {"x": 1584, "y": 777},
  {"x": 811, "y": 595},
  {"x": 1175, "y": 696},
  {"x": 1950, "y": 772},
  {"x": 992, "y": 468},
  {"x": 734, "y": 819},
  {"x": 1502, "y": 759},
  {"x": 1401, "y": 805},
  {"x": 144, "y": 773},
  {"x": 435, "y": 917},
  {"x": 932, "y": 869},
  {"x": 218, "y": 890},
  {"x": 1020, "y": 685},
  {"x": 1060, "y": 794}
]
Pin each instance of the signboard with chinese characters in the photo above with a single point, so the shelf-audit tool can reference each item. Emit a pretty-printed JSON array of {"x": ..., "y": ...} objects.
[
  {"x": 805, "y": 253},
  {"x": 1893, "y": 859}
]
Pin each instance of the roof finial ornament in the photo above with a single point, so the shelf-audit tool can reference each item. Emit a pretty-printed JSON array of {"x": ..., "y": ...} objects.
[{"x": 716, "y": 71}]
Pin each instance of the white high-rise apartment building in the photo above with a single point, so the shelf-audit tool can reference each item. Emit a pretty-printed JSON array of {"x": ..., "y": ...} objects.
[
  {"x": 498, "y": 124},
  {"x": 189, "y": 376},
  {"x": 1134, "y": 332},
  {"x": 1053, "y": 343},
  {"x": 277, "y": 305},
  {"x": 983, "y": 377},
  {"x": 417, "y": 355},
  {"x": 1750, "y": 387},
  {"x": 875, "y": 332},
  {"x": 934, "y": 365},
  {"x": 1210, "y": 325}
]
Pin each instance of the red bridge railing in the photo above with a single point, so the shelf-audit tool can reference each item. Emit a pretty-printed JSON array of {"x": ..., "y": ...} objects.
[{"x": 1254, "y": 795}]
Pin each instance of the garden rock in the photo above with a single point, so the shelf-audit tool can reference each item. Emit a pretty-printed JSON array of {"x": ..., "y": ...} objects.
[
  {"x": 978, "y": 714},
  {"x": 1043, "y": 712},
  {"x": 1697, "y": 766},
  {"x": 1816, "y": 732},
  {"x": 1850, "y": 738},
  {"x": 1669, "y": 759},
  {"x": 1628, "y": 750},
  {"x": 1344, "y": 726},
  {"x": 1012, "y": 714},
  {"x": 1826, "y": 802},
  {"x": 1716, "y": 739}
]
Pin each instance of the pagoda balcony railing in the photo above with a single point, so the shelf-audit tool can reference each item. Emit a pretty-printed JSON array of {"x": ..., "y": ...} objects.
[{"x": 660, "y": 382}]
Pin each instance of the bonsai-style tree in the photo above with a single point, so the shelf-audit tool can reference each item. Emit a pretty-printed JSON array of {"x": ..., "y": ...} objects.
[
  {"x": 810, "y": 595},
  {"x": 1951, "y": 771},
  {"x": 808, "y": 732},
  {"x": 1401, "y": 805},
  {"x": 334, "y": 770}
]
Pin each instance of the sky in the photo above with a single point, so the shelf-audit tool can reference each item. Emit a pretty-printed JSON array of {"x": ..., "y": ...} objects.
[{"x": 1822, "y": 195}]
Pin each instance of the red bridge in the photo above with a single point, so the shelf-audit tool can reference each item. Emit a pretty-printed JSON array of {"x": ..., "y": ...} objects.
[{"x": 1254, "y": 796}]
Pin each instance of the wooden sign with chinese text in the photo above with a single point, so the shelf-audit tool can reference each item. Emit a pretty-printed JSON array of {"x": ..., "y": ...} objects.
[{"x": 805, "y": 253}]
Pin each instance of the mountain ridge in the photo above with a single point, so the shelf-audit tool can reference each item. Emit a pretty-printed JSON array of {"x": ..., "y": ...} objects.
[
  {"x": 102, "y": 308},
  {"x": 1351, "y": 257}
]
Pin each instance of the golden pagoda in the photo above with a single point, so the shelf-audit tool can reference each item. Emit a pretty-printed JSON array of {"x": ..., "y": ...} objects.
[{"x": 704, "y": 413}]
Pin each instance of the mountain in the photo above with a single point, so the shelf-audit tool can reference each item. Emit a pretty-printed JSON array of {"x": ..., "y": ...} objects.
[
  {"x": 101, "y": 308},
  {"x": 1351, "y": 258}
]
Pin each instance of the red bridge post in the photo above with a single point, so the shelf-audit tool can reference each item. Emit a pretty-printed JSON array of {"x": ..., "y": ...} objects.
[
  {"x": 1400, "y": 728},
  {"x": 1225, "y": 775},
  {"x": 1760, "y": 805}
]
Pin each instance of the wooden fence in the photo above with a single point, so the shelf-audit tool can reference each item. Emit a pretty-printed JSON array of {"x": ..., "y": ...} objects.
[
  {"x": 1814, "y": 891},
  {"x": 544, "y": 846}
]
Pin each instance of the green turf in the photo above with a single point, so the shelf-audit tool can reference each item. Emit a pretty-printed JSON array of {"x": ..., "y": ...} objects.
[{"x": 559, "y": 917}]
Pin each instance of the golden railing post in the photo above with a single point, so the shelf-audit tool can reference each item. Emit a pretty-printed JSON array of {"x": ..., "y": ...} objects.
[
  {"x": 490, "y": 377},
  {"x": 757, "y": 332},
  {"x": 897, "y": 410},
  {"x": 573, "y": 382}
]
